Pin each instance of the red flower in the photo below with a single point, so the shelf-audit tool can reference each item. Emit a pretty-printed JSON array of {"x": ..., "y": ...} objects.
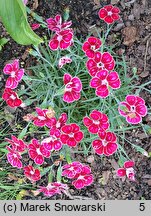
[
  {"x": 11, "y": 98},
  {"x": 62, "y": 39},
  {"x": 15, "y": 73},
  {"x": 64, "y": 60},
  {"x": 109, "y": 14},
  {"x": 54, "y": 188},
  {"x": 43, "y": 118},
  {"x": 127, "y": 170},
  {"x": 106, "y": 144},
  {"x": 17, "y": 144},
  {"x": 100, "y": 62},
  {"x": 52, "y": 143},
  {"x": 31, "y": 173},
  {"x": 71, "y": 134},
  {"x": 55, "y": 127},
  {"x": 84, "y": 178},
  {"x": 71, "y": 170},
  {"x": 133, "y": 109},
  {"x": 37, "y": 152},
  {"x": 104, "y": 80},
  {"x": 35, "y": 26},
  {"x": 14, "y": 157},
  {"x": 73, "y": 87},
  {"x": 91, "y": 46},
  {"x": 96, "y": 122},
  {"x": 56, "y": 23}
]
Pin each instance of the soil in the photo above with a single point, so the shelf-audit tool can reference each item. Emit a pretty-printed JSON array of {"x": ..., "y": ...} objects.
[{"x": 132, "y": 33}]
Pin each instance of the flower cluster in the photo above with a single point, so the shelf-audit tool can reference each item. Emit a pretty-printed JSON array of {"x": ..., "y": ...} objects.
[
  {"x": 15, "y": 76},
  {"x": 63, "y": 37},
  {"x": 81, "y": 174},
  {"x": 60, "y": 134},
  {"x": 98, "y": 123}
]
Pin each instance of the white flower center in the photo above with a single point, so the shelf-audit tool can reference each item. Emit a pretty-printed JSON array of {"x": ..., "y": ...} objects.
[
  {"x": 104, "y": 82},
  {"x": 71, "y": 135},
  {"x": 133, "y": 108},
  {"x": 38, "y": 151},
  {"x": 68, "y": 87},
  {"x": 93, "y": 47},
  {"x": 100, "y": 65},
  {"x": 41, "y": 117},
  {"x": 13, "y": 74},
  {"x": 58, "y": 125},
  {"x": 110, "y": 13},
  {"x": 31, "y": 172},
  {"x": 96, "y": 122},
  {"x": 59, "y": 38},
  {"x": 12, "y": 97}
]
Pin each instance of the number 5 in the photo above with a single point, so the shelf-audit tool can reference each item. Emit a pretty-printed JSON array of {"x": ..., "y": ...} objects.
[{"x": 142, "y": 206}]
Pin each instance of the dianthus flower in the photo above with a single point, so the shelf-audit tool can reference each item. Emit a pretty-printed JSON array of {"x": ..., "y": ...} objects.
[
  {"x": 71, "y": 134},
  {"x": 64, "y": 60},
  {"x": 31, "y": 173},
  {"x": 109, "y": 14},
  {"x": 100, "y": 62},
  {"x": 15, "y": 74},
  {"x": 133, "y": 108},
  {"x": 91, "y": 46},
  {"x": 62, "y": 39},
  {"x": 37, "y": 152},
  {"x": 84, "y": 178},
  {"x": 11, "y": 98},
  {"x": 96, "y": 122},
  {"x": 44, "y": 118},
  {"x": 35, "y": 26},
  {"x": 104, "y": 80},
  {"x": 127, "y": 170},
  {"x": 17, "y": 144},
  {"x": 73, "y": 87},
  {"x": 55, "y": 24},
  {"x": 54, "y": 188},
  {"x": 14, "y": 157},
  {"x": 72, "y": 169},
  {"x": 55, "y": 127},
  {"x": 106, "y": 144},
  {"x": 52, "y": 143}
]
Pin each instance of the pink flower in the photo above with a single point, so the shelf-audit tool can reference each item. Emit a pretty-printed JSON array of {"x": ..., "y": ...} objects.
[
  {"x": 71, "y": 134},
  {"x": 14, "y": 157},
  {"x": 109, "y": 13},
  {"x": 106, "y": 144},
  {"x": 35, "y": 26},
  {"x": 15, "y": 74},
  {"x": 91, "y": 46},
  {"x": 31, "y": 173},
  {"x": 54, "y": 188},
  {"x": 100, "y": 62},
  {"x": 43, "y": 118},
  {"x": 17, "y": 144},
  {"x": 56, "y": 23},
  {"x": 52, "y": 143},
  {"x": 55, "y": 127},
  {"x": 37, "y": 152},
  {"x": 11, "y": 98},
  {"x": 64, "y": 60},
  {"x": 73, "y": 87},
  {"x": 84, "y": 178},
  {"x": 81, "y": 174},
  {"x": 104, "y": 80},
  {"x": 96, "y": 122},
  {"x": 133, "y": 109},
  {"x": 25, "y": 1},
  {"x": 62, "y": 39},
  {"x": 127, "y": 171},
  {"x": 71, "y": 170}
]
